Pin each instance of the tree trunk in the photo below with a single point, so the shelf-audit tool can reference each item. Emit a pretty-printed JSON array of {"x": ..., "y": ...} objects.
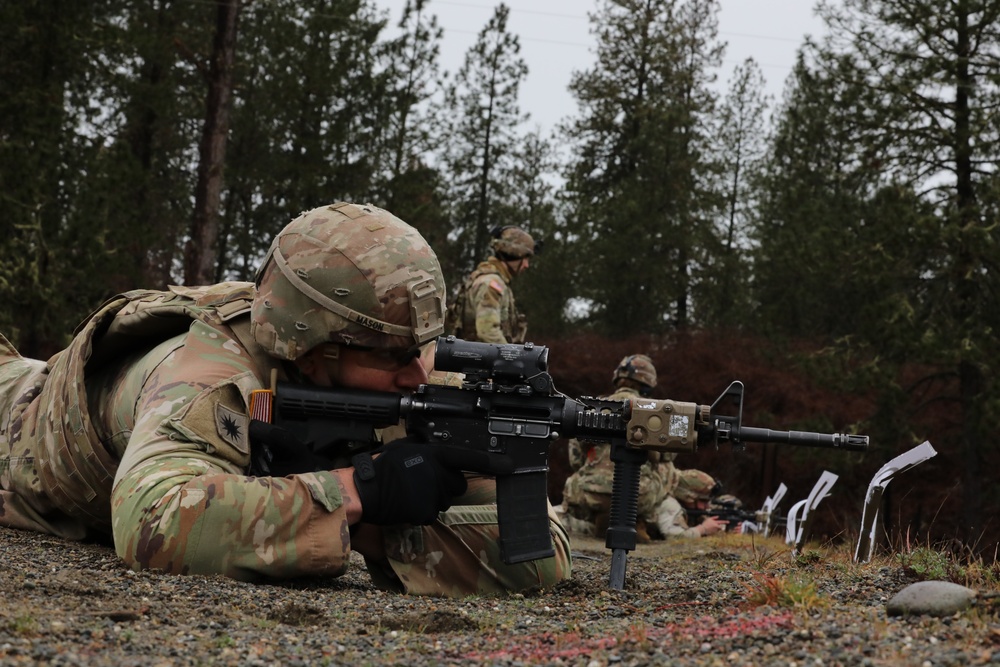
[
  {"x": 966, "y": 290},
  {"x": 200, "y": 251}
]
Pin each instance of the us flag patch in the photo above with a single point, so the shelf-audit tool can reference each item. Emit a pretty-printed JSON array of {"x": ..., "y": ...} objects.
[{"x": 261, "y": 401}]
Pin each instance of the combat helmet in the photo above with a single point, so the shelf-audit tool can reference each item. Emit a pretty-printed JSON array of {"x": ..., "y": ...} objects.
[
  {"x": 347, "y": 274},
  {"x": 727, "y": 500},
  {"x": 695, "y": 485},
  {"x": 638, "y": 368},
  {"x": 512, "y": 242}
]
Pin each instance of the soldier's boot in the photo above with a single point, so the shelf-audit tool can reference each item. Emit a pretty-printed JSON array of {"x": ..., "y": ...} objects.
[
  {"x": 641, "y": 533},
  {"x": 601, "y": 522}
]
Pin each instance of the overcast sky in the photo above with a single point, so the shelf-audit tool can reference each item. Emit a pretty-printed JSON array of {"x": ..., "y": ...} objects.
[{"x": 555, "y": 40}]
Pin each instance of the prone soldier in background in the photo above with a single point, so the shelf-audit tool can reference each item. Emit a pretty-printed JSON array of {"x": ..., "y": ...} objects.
[
  {"x": 587, "y": 492},
  {"x": 484, "y": 309},
  {"x": 138, "y": 431},
  {"x": 694, "y": 491},
  {"x": 728, "y": 508}
]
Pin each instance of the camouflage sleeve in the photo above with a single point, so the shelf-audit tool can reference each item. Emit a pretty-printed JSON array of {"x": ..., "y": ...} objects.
[
  {"x": 672, "y": 521},
  {"x": 575, "y": 452},
  {"x": 486, "y": 294},
  {"x": 181, "y": 501},
  {"x": 186, "y": 516},
  {"x": 652, "y": 485}
]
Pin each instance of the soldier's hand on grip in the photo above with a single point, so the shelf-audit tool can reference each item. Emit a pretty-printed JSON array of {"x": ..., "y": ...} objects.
[{"x": 411, "y": 482}]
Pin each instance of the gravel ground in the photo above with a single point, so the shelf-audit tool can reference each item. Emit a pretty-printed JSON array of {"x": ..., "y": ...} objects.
[{"x": 685, "y": 603}]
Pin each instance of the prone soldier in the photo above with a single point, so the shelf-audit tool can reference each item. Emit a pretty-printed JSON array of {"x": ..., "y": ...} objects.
[
  {"x": 694, "y": 492},
  {"x": 138, "y": 431}
]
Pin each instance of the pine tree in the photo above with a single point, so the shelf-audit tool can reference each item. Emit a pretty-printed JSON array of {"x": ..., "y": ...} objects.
[
  {"x": 409, "y": 182},
  {"x": 146, "y": 182},
  {"x": 815, "y": 182},
  {"x": 737, "y": 149},
  {"x": 62, "y": 252},
  {"x": 934, "y": 126},
  {"x": 482, "y": 107},
  {"x": 305, "y": 119},
  {"x": 637, "y": 180},
  {"x": 543, "y": 291},
  {"x": 881, "y": 183},
  {"x": 413, "y": 70}
]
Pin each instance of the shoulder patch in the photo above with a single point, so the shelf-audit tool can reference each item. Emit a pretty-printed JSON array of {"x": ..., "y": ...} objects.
[
  {"x": 232, "y": 428},
  {"x": 496, "y": 285}
]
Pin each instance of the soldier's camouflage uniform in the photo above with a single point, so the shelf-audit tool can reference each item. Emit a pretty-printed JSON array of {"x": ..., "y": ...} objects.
[
  {"x": 587, "y": 491},
  {"x": 672, "y": 521},
  {"x": 691, "y": 486},
  {"x": 486, "y": 308},
  {"x": 139, "y": 431}
]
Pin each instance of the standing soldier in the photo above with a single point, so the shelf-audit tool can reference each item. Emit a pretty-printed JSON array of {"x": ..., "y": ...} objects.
[
  {"x": 138, "y": 432},
  {"x": 587, "y": 492},
  {"x": 484, "y": 309}
]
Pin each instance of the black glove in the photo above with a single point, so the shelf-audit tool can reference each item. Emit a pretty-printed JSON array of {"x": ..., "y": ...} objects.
[{"x": 410, "y": 482}]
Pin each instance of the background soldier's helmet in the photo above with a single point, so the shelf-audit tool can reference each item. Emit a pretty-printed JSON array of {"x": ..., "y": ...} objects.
[
  {"x": 638, "y": 368},
  {"x": 347, "y": 274},
  {"x": 728, "y": 501},
  {"x": 695, "y": 485},
  {"x": 512, "y": 243}
]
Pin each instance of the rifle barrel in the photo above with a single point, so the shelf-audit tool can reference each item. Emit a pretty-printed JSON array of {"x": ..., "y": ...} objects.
[{"x": 847, "y": 441}]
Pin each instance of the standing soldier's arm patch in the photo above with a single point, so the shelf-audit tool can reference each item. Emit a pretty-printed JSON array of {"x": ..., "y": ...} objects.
[{"x": 496, "y": 285}]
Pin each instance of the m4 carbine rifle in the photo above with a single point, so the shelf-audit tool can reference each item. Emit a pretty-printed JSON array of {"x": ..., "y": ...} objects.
[
  {"x": 728, "y": 511},
  {"x": 507, "y": 404}
]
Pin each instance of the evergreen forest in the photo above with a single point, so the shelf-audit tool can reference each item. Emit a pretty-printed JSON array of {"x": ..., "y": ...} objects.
[{"x": 836, "y": 249}]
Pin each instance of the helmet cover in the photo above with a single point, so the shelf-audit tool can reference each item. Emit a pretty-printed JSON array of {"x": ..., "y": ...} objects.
[
  {"x": 695, "y": 485},
  {"x": 347, "y": 274},
  {"x": 512, "y": 243},
  {"x": 727, "y": 500},
  {"x": 638, "y": 368}
]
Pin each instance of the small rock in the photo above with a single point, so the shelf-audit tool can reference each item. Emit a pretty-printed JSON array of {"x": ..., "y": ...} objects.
[{"x": 933, "y": 598}]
